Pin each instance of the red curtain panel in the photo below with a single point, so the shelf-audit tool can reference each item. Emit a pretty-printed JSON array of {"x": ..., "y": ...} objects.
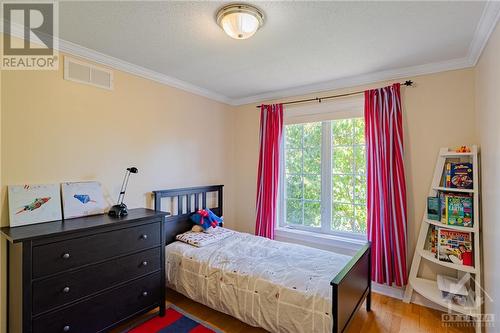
[
  {"x": 271, "y": 130},
  {"x": 386, "y": 187}
]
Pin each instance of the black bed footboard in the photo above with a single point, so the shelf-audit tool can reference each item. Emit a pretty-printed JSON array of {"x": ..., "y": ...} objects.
[{"x": 351, "y": 287}]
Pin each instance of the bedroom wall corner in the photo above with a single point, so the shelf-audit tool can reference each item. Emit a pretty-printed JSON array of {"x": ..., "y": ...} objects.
[{"x": 488, "y": 120}]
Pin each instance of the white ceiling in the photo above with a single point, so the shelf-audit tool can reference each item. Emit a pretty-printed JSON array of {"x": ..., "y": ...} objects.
[{"x": 302, "y": 47}]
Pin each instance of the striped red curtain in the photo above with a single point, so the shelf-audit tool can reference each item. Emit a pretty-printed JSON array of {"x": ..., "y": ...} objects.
[
  {"x": 386, "y": 192},
  {"x": 271, "y": 129}
]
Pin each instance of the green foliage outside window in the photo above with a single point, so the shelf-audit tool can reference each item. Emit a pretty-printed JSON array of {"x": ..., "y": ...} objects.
[
  {"x": 303, "y": 175},
  {"x": 348, "y": 175}
]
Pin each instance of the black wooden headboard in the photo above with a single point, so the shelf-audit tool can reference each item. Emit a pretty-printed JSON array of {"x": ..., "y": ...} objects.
[{"x": 188, "y": 200}]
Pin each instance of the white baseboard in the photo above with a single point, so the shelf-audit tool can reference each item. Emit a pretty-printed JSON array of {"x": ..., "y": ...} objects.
[
  {"x": 398, "y": 293},
  {"x": 385, "y": 290}
]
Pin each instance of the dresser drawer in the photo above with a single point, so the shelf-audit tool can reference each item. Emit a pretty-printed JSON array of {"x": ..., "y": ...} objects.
[
  {"x": 98, "y": 313},
  {"x": 59, "y": 256},
  {"x": 64, "y": 288}
]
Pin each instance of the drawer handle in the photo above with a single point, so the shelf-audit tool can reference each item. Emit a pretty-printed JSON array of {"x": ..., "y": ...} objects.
[
  {"x": 66, "y": 255},
  {"x": 145, "y": 293},
  {"x": 66, "y": 289},
  {"x": 66, "y": 328},
  {"x": 144, "y": 263},
  {"x": 144, "y": 236}
]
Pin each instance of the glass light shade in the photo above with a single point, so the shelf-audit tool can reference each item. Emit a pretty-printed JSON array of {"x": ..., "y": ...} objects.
[
  {"x": 240, "y": 25},
  {"x": 240, "y": 21}
]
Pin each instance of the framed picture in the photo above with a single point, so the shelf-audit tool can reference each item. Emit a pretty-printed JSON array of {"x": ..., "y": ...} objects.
[
  {"x": 29, "y": 204},
  {"x": 82, "y": 199}
]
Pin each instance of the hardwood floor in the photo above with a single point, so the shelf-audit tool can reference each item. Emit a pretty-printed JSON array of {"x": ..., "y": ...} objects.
[{"x": 387, "y": 315}]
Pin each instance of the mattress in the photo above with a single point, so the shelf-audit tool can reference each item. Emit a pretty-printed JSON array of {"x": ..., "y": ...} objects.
[{"x": 278, "y": 286}]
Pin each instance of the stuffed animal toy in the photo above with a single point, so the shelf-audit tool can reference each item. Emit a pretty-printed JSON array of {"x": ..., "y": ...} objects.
[
  {"x": 206, "y": 218},
  {"x": 197, "y": 228},
  {"x": 462, "y": 149}
]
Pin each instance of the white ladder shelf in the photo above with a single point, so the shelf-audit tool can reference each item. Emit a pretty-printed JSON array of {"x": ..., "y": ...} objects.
[{"x": 428, "y": 288}]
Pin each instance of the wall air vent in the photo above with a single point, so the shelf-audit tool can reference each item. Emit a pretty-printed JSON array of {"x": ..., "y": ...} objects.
[{"x": 84, "y": 72}]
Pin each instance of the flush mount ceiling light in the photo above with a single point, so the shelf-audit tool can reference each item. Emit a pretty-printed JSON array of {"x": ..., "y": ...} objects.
[{"x": 240, "y": 21}]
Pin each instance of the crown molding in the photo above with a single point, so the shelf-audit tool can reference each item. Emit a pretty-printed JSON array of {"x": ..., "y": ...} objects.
[
  {"x": 484, "y": 28},
  {"x": 103, "y": 59},
  {"x": 358, "y": 80},
  {"x": 77, "y": 50}
]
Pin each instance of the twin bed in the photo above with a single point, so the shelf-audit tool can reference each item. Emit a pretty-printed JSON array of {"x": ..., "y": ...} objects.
[{"x": 280, "y": 287}]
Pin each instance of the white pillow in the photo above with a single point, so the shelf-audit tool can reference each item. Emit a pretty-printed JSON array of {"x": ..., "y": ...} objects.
[{"x": 200, "y": 239}]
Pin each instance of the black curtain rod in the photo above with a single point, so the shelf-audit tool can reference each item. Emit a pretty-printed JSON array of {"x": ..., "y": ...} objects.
[{"x": 408, "y": 83}]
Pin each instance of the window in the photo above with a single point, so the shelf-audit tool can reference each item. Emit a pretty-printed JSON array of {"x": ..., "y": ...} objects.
[
  {"x": 324, "y": 176},
  {"x": 303, "y": 174}
]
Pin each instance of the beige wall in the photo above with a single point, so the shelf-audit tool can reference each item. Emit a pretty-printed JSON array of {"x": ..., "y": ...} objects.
[
  {"x": 438, "y": 112},
  {"x": 54, "y": 130},
  {"x": 488, "y": 124}
]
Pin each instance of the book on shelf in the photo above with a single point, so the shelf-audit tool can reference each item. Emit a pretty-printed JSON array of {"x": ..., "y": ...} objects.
[
  {"x": 431, "y": 244},
  {"x": 442, "y": 207},
  {"x": 454, "y": 298},
  {"x": 456, "y": 209},
  {"x": 447, "y": 182},
  {"x": 459, "y": 210},
  {"x": 455, "y": 247},
  {"x": 458, "y": 175},
  {"x": 433, "y": 209},
  {"x": 454, "y": 290}
]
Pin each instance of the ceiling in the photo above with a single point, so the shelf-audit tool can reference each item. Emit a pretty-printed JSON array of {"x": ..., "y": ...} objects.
[{"x": 302, "y": 47}]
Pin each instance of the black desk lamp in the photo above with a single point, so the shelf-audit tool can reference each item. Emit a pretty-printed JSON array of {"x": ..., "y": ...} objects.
[{"x": 120, "y": 209}]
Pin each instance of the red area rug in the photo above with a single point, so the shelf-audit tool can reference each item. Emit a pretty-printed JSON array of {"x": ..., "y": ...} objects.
[{"x": 174, "y": 321}]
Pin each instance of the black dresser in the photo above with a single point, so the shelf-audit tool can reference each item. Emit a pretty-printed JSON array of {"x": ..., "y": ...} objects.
[{"x": 86, "y": 274}]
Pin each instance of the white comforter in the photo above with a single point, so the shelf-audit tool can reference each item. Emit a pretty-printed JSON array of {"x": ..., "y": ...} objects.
[{"x": 279, "y": 286}]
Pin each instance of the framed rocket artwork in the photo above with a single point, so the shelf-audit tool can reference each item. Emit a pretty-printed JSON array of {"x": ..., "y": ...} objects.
[
  {"x": 29, "y": 204},
  {"x": 82, "y": 199}
]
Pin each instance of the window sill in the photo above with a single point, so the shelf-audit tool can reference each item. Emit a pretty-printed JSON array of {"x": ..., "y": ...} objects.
[{"x": 327, "y": 242}]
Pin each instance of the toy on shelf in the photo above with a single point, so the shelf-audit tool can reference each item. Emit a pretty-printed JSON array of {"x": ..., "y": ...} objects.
[{"x": 462, "y": 149}]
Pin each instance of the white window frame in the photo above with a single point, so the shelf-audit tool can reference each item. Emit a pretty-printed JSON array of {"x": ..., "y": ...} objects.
[{"x": 343, "y": 109}]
